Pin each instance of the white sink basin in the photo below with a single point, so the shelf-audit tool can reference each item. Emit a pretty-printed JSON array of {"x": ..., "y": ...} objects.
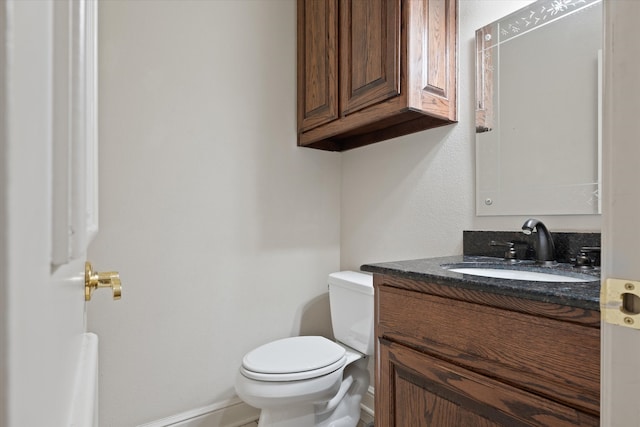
[{"x": 532, "y": 276}]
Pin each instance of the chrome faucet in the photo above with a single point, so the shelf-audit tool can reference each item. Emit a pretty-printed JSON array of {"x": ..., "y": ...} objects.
[{"x": 545, "y": 249}]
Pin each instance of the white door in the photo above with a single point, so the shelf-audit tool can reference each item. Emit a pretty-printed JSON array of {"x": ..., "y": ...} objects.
[
  {"x": 48, "y": 212},
  {"x": 621, "y": 209}
]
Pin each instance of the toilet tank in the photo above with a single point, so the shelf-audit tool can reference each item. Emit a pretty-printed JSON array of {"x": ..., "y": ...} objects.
[{"x": 351, "y": 301}]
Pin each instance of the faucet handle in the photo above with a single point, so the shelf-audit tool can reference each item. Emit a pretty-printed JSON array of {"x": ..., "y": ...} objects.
[
  {"x": 506, "y": 244},
  {"x": 583, "y": 261},
  {"x": 588, "y": 257},
  {"x": 510, "y": 253},
  {"x": 590, "y": 249}
]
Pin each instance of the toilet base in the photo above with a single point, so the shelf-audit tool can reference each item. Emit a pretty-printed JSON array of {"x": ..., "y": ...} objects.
[
  {"x": 343, "y": 410},
  {"x": 347, "y": 411},
  {"x": 297, "y": 416}
]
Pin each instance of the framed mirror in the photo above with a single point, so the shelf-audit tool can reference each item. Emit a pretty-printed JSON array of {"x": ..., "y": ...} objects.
[{"x": 538, "y": 98}]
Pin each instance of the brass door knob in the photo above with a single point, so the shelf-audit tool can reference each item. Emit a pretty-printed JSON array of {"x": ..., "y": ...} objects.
[{"x": 94, "y": 280}]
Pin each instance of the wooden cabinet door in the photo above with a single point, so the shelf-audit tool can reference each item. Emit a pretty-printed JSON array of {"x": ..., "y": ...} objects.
[
  {"x": 369, "y": 52},
  {"x": 417, "y": 390},
  {"x": 317, "y": 62},
  {"x": 432, "y": 28}
]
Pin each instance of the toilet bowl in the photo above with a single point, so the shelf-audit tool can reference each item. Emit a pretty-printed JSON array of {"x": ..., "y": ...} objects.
[{"x": 311, "y": 381}]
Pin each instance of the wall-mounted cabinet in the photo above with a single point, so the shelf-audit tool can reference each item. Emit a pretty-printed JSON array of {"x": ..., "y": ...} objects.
[{"x": 373, "y": 70}]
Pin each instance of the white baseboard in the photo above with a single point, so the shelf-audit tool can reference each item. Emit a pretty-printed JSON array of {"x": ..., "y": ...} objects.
[
  {"x": 367, "y": 406},
  {"x": 235, "y": 413},
  {"x": 229, "y": 413}
]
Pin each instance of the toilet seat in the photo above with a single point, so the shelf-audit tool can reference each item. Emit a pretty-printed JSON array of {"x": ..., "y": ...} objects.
[{"x": 293, "y": 359}]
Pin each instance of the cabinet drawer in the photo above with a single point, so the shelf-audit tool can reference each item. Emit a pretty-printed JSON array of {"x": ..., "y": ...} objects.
[{"x": 556, "y": 359}]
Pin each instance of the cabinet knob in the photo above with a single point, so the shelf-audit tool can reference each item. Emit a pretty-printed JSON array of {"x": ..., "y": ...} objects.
[{"x": 94, "y": 280}]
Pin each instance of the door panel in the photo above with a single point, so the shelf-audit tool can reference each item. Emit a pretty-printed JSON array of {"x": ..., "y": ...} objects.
[
  {"x": 369, "y": 52},
  {"x": 621, "y": 198},
  {"x": 317, "y": 63},
  {"x": 426, "y": 391},
  {"x": 74, "y": 133},
  {"x": 431, "y": 37},
  {"x": 47, "y": 67}
]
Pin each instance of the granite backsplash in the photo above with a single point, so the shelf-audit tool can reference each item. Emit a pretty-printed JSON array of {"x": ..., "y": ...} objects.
[{"x": 567, "y": 244}]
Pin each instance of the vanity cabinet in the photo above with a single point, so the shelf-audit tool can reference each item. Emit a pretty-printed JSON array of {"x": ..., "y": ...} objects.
[
  {"x": 458, "y": 357},
  {"x": 373, "y": 70}
]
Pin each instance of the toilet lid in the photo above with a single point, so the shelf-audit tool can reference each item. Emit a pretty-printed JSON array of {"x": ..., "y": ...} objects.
[{"x": 293, "y": 358}]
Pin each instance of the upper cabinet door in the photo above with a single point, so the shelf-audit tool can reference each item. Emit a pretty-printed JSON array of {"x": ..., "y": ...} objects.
[
  {"x": 369, "y": 52},
  {"x": 317, "y": 62},
  {"x": 432, "y": 44}
]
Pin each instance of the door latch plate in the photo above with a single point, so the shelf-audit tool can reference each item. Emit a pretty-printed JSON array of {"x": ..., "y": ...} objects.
[{"x": 620, "y": 302}]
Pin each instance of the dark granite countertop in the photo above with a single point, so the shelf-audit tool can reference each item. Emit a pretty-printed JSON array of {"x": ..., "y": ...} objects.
[{"x": 579, "y": 294}]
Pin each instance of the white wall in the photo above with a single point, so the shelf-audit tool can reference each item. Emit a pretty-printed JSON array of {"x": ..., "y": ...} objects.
[
  {"x": 411, "y": 197},
  {"x": 222, "y": 229}
]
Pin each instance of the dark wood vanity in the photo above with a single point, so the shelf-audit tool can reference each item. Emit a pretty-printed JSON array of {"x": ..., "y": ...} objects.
[{"x": 450, "y": 354}]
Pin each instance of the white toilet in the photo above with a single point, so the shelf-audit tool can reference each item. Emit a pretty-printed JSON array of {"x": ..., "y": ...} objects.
[{"x": 311, "y": 381}]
